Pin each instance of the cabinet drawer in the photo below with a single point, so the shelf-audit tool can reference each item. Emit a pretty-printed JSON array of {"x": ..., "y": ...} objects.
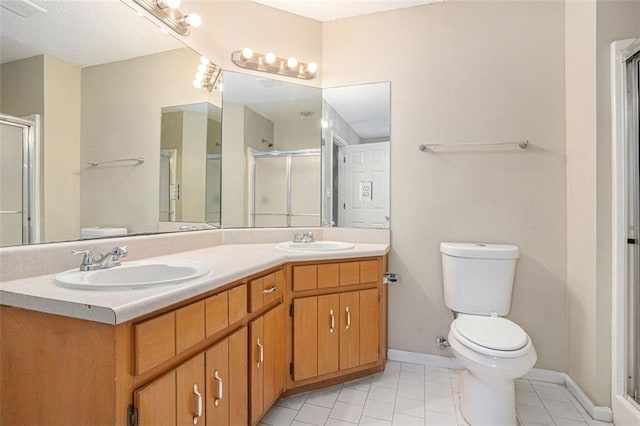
[
  {"x": 237, "y": 303},
  {"x": 155, "y": 341},
  {"x": 225, "y": 309},
  {"x": 265, "y": 290},
  {"x": 327, "y": 275},
  {"x": 189, "y": 326}
]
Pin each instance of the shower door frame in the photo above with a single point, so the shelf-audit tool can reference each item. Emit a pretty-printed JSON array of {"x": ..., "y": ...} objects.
[
  {"x": 31, "y": 202},
  {"x": 625, "y": 335}
]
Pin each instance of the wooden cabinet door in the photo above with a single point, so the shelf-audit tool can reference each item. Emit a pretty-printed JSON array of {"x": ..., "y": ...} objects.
[
  {"x": 256, "y": 357},
  {"x": 226, "y": 375},
  {"x": 305, "y": 338},
  {"x": 266, "y": 348},
  {"x": 274, "y": 359},
  {"x": 369, "y": 325},
  {"x": 156, "y": 402},
  {"x": 217, "y": 373},
  {"x": 349, "y": 330},
  {"x": 190, "y": 392},
  {"x": 238, "y": 383},
  {"x": 328, "y": 333}
]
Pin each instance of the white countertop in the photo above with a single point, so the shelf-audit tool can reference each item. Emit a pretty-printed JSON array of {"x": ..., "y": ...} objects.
[{"x": 228, "y": 263}]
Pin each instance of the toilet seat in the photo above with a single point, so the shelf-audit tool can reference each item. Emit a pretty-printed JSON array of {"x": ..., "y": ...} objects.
[{"x": 493, "y": 336}]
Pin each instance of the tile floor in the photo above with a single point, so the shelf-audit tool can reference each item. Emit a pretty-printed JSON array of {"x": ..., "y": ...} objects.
[{"x": 412, "y": 394}]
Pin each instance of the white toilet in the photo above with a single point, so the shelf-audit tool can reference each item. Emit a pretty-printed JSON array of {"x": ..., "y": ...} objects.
[{"x": 478, "y": 280}]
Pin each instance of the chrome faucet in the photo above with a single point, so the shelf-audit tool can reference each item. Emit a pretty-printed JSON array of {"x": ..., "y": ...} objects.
[
  {"x": 107, "y": 260},
  {"x": 306, "y": 237}
]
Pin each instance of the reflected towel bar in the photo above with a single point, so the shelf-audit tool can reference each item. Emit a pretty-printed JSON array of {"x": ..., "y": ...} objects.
[
  {"x": 430, "y": 146},
  {"x": 139, "y": 160}
]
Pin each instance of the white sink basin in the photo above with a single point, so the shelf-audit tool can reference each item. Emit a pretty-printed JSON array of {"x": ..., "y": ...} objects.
[
  {"x": 132, "y": 275},
  {"x": 316, "y": 246}
]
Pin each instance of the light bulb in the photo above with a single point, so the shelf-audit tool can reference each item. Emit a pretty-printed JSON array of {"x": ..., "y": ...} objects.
[
  {"x": 247, "y": 53},
  {"x": 193, "y": 20},
  {"x": 292, "y": 63},
  {"x": 220, "y": 87},
  {"x": 171, "y": 4},
  {"x": 312, "y": 67},
  {"x": 324, "y": 124},
  {"x": 202, "y": 68},
  {"x": 270, "y": 58},
  {"x": 197, "y": 83},
  {"x": 199, "y": 76},
  {"x": 204, "y": 60}
]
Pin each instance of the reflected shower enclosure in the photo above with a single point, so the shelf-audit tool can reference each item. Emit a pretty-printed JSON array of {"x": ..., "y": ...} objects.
[
  {"x": 284, "y": 188},
  {"x": 190, "y": 145},
  {"x": 271, "y": 170},
  {"x": 19, "y": 186}
]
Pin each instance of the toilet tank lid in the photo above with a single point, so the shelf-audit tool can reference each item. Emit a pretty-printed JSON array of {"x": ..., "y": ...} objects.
[{"x": 480, "y": 250}]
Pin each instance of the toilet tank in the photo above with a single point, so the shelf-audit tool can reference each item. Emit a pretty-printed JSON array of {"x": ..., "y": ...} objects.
[{"x": 478, "y": 278}]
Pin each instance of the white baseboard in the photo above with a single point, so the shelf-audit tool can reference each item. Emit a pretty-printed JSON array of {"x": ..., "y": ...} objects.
[
  {"x": 601, "y": 413},
  {"x": 598, "y": 412},
  {"x": 424, "y": 359}
]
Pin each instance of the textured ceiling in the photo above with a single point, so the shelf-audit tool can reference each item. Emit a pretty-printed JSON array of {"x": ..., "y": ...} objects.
[{"x": 328, "y": 10}]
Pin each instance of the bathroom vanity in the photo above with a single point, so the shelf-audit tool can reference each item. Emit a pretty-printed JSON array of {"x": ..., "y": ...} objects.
[{"x": 218, "y": 350}]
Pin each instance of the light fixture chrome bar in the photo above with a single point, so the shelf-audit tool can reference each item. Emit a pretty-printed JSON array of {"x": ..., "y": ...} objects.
[
  {"x": 288, "y": 67},
  {"x": 523, "y": 144},
  {"x": 172, "y": 18}
]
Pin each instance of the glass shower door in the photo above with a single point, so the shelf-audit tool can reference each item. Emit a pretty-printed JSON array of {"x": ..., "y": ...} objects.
[{"x": 284, "y": 188}]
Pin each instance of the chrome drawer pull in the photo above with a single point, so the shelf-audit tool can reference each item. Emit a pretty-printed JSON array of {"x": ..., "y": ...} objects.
[
  {"x": 261, "y": 358},
  {"x": 333, "y": 321},
  {"x": 348, "y": 318},
  {"x": 269, "y": 290},
  {"x": 218, "y": 398},
  {"x": 198, "y": 404}
]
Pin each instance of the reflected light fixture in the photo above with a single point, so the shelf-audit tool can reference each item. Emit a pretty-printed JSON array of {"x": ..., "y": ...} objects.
[
  {"x": 167, "y": 12},
  {"x": 269, "y": 62},
  {"x": 208, "y": 75}
]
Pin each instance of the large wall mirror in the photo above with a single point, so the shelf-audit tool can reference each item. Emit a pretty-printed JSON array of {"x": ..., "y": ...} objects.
[
  {"x": 271, "y": 153},
  {"x": 102, "y": 130},
  {"x": 295, "y": 155}
]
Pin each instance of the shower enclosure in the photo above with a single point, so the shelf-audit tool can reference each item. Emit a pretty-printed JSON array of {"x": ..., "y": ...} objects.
[
  {"x": 19, "y": 200},
  {"x": 284, "y": 188},
  {"x": 633, "y": 285}
]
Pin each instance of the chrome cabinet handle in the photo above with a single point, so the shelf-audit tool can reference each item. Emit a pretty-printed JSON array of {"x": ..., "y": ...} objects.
[
  {"x": 333, "y": 321},
  {"x": 261, "y": 357},
  {"x": 269, "y": 290},
  {"x": 348, "y": 318},
  {"x": 198, "y": 404},
  {"x": 218, "y": 398}
]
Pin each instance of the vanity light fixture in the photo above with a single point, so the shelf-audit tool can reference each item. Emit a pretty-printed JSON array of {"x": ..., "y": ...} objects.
[
  {"x": 167, "y": 12},
  {"x": 269, "y": 62}
]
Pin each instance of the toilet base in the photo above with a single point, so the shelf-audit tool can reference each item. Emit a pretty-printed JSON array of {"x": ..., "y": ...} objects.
[{"x": 485, "y": 403}]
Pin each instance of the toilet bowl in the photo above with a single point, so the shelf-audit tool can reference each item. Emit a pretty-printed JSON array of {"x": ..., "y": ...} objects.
[
  {"x": 494, "y": 351},
  {"x": 493, "y": 355}
]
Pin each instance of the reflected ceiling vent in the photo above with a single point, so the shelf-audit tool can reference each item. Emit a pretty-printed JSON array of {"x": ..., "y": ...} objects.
[{"x": 24, "y": 8}]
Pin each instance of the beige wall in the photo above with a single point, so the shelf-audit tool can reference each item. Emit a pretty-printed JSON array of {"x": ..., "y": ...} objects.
[
  {"x": 61, "y": 150},
  {"x": 590, "y": 28},
  {"x": 465, "y": 72}
]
